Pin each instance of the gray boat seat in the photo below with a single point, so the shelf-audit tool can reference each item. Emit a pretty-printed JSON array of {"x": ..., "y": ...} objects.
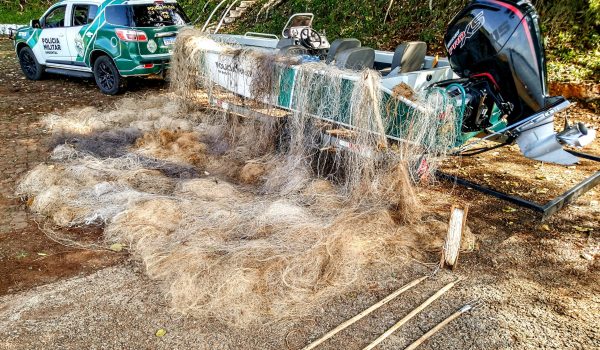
[
  {"x": 293, "y": 50},
  {"x": 340, "y": 45},
  {"x": 283, "y": 42},
  {"x": 356, "y": 58},
  {"x": 409, "y": 56}
]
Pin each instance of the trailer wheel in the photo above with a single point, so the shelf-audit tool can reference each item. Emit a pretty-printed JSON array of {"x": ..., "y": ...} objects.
[
  {"x": 29, "y": 64},
  {"x": 107, "y": 76}
]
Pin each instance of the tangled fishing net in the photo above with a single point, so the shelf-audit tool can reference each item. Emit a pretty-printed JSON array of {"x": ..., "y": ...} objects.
[
  {"x": 318, "y": 99},
  {"x": 250, "y": 220}
]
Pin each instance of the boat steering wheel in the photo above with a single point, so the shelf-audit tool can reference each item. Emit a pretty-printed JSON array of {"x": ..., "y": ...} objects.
[{"x": 305, "y": 38}]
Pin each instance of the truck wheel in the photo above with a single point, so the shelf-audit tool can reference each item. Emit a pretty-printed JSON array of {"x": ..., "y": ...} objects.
[
  {"x": 29, "y": 64},
  {"x": 107, "y": 76}
]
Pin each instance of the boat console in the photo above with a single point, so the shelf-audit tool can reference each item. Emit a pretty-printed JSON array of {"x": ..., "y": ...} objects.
[{"x": 298, "y": 31}]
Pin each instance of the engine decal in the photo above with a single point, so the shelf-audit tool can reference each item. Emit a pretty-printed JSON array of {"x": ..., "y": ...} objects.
[{"x": 470, "y": 30}]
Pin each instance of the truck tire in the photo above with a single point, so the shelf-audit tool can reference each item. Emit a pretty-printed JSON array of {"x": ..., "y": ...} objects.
[
  {"x": 107, "y": 76},
  {"x": 29, "y": 64}
]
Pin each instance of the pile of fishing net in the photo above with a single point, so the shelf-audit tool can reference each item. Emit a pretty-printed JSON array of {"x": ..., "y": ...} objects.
[{"x": 247, "y": 220}]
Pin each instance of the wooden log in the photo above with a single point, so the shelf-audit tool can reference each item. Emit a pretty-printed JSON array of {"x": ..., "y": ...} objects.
[
  {"x": 410, "y": 315},
  {"x": 364, "y": 313},
  {"x": 456, "y": 228}
]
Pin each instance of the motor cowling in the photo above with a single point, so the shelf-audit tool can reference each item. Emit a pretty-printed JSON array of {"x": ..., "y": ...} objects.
[{"x": 500, "y": 41}]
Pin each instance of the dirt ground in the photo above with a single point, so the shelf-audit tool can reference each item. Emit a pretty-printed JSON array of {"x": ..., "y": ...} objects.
[
  {"x": 27, "y": 257},
  {"x": 538, "y": 281}
]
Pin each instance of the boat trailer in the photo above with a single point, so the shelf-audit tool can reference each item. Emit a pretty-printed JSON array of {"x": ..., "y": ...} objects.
[{"x": 546, "y": 209}]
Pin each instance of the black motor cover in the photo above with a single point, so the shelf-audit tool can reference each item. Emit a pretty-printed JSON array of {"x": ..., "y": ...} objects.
[{"x": 501, "y": 41}]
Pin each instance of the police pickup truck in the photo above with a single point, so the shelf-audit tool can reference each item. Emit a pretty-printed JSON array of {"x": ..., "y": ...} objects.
[{"x": 105, "y": 39}]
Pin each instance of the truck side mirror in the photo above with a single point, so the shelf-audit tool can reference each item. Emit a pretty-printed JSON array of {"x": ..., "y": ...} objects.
[{"x": 35, "y": 23}]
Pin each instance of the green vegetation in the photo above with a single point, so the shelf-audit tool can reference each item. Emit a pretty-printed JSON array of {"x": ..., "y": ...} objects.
[
  {"x": 572, "y": 37},
  {"x": 22, "y": 11},
  {"x": 571, "y": 27},
  {"x": 408, "y": 20}
]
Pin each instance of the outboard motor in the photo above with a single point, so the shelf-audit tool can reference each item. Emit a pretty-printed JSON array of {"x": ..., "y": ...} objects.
[{"x": 496, "y": 47}]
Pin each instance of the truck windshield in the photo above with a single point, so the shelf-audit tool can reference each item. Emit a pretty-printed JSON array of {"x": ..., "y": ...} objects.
[{"x": 146, "y": 15}]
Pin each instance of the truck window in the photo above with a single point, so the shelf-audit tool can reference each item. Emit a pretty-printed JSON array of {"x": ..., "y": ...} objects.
[
  {"x": 146, "y": 15},
  {"x": 55, "y": 18},
  {"x": 158, "y": 15},
  {"x": 118, "y": 15},
  {"x": 83, "y": 14}
]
